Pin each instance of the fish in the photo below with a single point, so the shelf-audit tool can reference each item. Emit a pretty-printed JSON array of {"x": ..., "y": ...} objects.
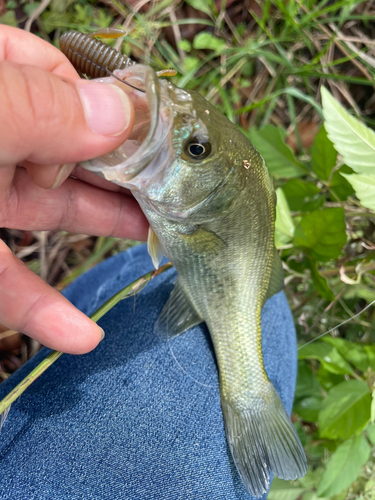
[{"x": 210, "y": 202}]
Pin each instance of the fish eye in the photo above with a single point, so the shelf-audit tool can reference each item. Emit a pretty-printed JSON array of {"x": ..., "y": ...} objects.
[{"x": 197, "y": 150}]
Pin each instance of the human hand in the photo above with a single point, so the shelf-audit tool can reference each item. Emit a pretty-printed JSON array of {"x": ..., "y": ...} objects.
[{"x": 49, "y": 120}]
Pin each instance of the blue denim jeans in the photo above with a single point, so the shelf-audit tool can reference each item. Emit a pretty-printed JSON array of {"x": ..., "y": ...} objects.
[{"x": 138, "y": 418}]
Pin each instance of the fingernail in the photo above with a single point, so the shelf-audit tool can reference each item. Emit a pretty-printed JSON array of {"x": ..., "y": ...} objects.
[
  {"x": 103, "y": 334},
  {"x": 63, "y": 172},
  {"x": 107, "y": 108}
]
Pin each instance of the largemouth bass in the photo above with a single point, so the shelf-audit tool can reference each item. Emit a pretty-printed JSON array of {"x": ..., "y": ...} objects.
[{"x": 210, "y": 202}]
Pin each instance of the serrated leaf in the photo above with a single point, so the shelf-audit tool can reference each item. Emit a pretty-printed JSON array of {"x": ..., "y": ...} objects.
[
  {"x": 206, "y": 40},
  {"x": 284, "y": 490},
  {"x": 279, "y": 158},
  {"x": 344, "y": 466},
  {"x": 320, "y": 283},
  {"x": 328, "y": 356},
  {"x": 299, "y": 192},
  {"x": 322, "y": 232},
  {"x": 352, "y": 139},
  {"x": 323, "y": 155},
  {"x": 364, "y": 187},
  {"x": 284, "y": 225},
  {"x": 345, "y": 410}
]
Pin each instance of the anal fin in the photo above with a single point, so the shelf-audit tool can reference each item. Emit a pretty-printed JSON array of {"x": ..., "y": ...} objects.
[{"x": 178, "y": 315}]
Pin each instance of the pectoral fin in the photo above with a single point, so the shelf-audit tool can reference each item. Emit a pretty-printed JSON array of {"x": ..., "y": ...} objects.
[
  {"x": 204, "y": 241},
  {"x": 276, "y": 283},
  {"x": 178, "y": 314},
  {"x": 154, "y": 248}
]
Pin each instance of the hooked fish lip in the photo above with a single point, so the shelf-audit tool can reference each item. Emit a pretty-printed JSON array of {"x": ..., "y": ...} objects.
[{"x": 175, "y": 215}]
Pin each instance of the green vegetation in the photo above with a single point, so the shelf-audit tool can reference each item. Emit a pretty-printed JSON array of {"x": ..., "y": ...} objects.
[{"x": 264, "y": 64}]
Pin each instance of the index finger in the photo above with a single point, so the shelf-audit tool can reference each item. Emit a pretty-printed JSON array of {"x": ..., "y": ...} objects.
[{"x": 25, "y": 48}]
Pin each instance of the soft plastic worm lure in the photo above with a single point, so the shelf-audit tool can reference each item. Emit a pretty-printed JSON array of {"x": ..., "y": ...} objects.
[{"x": 92, "y": 57}]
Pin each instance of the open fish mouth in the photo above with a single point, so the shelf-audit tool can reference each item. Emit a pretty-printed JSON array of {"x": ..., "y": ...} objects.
[{"x": 153, "y": 122}]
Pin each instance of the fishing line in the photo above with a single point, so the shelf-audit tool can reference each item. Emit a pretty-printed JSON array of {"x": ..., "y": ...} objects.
[
  {"x": 326, "y": 333},
  {"x": 338, "y": 326},
  {"x": 210, "y": 386}
]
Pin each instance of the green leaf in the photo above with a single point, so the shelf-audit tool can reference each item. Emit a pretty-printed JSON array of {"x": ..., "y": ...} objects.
[
  {"x": 360, "y": 291},
  {"x": 344, "y": 466},
  {"x": 299, "y": 192},
  {"x": 284, "y": 226},
  {"x": 284, "y": 490},
  {"x": 320, "y": 283},
  {"x": 30, "y": 8},
  {"x": 354, "y": 353},
  {"x": 191, "y": 63},
  {"x": 307, "y": 382},
  {"x": 202, "y": 5},
  {"x": 328, "y": 379},
  {"x": 278, "y": 156},
  {"x": 339, "y": 185},
  {"x": 328, "y": 356},
  {"x": 322, "y": 232},
  {"x": 308, "y": 408},
  {"x": 370, "y": 351},
  {"x": 184, "y": 45},
  {"x": 352, "y": 139},
  {"x": 9, "y": 18},
  {"x": 323, "y": 155},
  {"x": 311, "y": 495},
  {"x": 364, "y": 187},
  {"x": 370, "y": 431},
  {"x": 206, "y": 40},
  {"x": 345, "y": 411},
  {"x": 369, "y": 490},
  {"x": 316, "y": 202}
]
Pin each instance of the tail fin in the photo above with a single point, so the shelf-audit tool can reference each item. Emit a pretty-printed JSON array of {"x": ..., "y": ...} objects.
[{"x": 263, "y": 441}]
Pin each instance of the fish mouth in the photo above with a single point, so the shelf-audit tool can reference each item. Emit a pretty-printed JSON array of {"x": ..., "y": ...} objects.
[{"x": 153, "y": 122}]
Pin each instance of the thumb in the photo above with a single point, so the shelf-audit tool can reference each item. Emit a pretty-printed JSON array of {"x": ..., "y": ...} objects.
[{"x": 49, "y": 120}]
